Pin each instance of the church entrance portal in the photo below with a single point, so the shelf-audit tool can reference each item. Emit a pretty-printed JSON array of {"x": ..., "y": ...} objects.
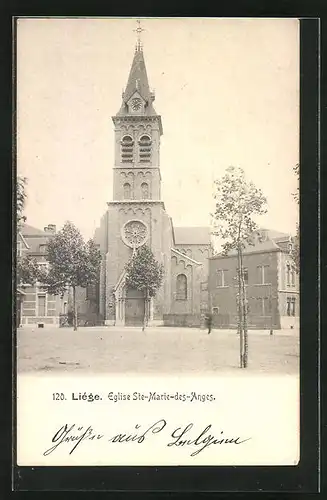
[{"x": 134, "y": 308}]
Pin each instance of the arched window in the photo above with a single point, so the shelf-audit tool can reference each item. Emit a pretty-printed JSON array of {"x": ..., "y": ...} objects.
[
  {"x": 181, "y": 287},
  {"x": 145, "y": 149},
  {"x": 127, "y": 191},
  {"x": 293, "y": 276},
  {"x": 145, "y": 190},
  {"x": 288, "y": 274},
  {"x": 127, "y": 148}
]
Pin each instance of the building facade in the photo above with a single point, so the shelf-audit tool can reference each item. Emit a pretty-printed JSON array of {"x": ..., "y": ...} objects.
[
  {"x": 35, "y": 305},
  {"x": 137, "y": 216},
  {"x": 271, "y": 282}
]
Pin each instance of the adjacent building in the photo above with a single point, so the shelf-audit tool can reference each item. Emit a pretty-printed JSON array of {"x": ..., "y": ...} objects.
[
  {"x": 34, "y": 305},
  {"x": 271, "y": 282}
]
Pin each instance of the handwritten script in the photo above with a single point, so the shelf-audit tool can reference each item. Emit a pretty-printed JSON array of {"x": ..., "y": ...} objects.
[{"x": 72, "y": 436}]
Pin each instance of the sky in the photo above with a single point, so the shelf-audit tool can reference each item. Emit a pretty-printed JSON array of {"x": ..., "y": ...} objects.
[{"x": 227, "y": 91}]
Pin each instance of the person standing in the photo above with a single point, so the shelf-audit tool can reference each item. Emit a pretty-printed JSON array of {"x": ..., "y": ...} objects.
[{"x": 208, "y": 320}]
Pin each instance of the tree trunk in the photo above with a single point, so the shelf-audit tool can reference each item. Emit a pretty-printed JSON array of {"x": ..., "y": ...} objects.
[
  {"x": 74, "y": 309},
  {"x": 245, "y": 314},
  {"x": 271, "y": 312},
  {"x": 145, "y": 319},
  {"x": 240, "y": 308}
]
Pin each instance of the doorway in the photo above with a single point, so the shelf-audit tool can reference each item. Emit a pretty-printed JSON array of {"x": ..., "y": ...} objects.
[{"x": 134, "y": 307}]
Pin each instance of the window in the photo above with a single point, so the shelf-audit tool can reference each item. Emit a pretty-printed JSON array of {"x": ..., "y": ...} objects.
[
  {"x": 262, "y": 275},
  {"x": 215, "y": 310},
  {"x": 221, "y": 278},
  {"x": 127, "y": 191},
  {"x": 288, "y": 306},
  {"x": 19, "y": 248},
  {"x": 145, "y": 149},
  {"x": 145, "y": 191},
  {"x": 245, "y": 275},
  {"x": 288, "y": 274},
  {"x": 181, "y": 287},
  {"x": 91, "y": 292},
  {"x": 264, "y": 306},
  {"x": 127, "y": 149},
  {"x": 293, "y": 276},
  {"x": 293, "y": 300},
  {"x": 43, "y": 248},
  {"x": 41, "y": 305}
]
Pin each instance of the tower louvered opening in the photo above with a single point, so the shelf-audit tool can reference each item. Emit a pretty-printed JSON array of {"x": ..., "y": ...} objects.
[
  {"x": 145, "y": 144},
  {"x": 127, "y": 149}
]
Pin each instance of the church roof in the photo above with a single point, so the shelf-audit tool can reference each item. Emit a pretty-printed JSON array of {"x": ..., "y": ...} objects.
[
  {"x": 138, "y": 82},
  {"x": 192, "y": 235}
]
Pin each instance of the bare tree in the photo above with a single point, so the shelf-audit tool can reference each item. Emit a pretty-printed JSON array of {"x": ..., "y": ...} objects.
[{"x": 237, "y": 202}]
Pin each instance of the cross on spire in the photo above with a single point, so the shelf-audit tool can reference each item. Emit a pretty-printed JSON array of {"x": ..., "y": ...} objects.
[{"x": 138, "y": 32}]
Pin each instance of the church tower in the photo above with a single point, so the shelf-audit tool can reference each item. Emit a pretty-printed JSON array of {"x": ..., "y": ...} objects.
[
  {"x": 137, "y": 138},
  {"x": 137, "y": 215}
]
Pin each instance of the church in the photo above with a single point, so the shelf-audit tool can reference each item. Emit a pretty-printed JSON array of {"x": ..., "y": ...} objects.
[{"x": 137, "y": 216}]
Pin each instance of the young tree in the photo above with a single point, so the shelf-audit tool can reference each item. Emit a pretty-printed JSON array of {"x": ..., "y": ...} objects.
[
  {"x": 72, "y": 263},
  {"x": 237, "y": 202},
  {"x": 144, "y": 273}
]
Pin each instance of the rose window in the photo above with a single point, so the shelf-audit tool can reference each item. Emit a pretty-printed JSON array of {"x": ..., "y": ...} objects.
[{"x": 134, "y": 233}]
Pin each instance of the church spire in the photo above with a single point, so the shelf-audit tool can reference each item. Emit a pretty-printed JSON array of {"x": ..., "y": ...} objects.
[{"x": 138, "y": 80}]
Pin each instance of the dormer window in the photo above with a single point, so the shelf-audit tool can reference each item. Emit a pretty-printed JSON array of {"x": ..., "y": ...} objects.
[
  {"x": 145, "y": 144},
  {"x": 127, "y": 149}
]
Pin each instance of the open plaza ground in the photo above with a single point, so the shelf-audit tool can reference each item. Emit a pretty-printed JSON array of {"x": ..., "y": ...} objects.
[{"x": 158, "y": 350}]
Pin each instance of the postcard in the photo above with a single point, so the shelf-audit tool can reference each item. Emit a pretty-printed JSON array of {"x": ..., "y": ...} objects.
[{"x": 157, "y": 294}]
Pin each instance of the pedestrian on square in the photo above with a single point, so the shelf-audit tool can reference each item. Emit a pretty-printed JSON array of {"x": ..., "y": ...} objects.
[{"x": 208, "y": 320}]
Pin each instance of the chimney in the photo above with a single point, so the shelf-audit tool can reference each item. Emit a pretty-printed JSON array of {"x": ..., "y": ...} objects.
[{"x": 50, "y": 228}]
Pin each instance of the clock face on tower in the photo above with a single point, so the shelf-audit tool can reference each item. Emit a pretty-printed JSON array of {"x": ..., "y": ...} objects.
[{"x": 136, "y": 104}]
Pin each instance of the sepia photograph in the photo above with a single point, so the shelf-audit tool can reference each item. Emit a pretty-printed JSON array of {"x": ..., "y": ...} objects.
[{"x": 157, "y": 284}]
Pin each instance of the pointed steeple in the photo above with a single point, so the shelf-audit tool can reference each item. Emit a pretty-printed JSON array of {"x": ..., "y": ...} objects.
[
  {"x": 138, "y": 82},
  {"x": 138, "y": 78}
]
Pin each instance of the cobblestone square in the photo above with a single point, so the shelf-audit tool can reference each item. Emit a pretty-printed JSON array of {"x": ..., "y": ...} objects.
[{"x": 155, "y": 351}]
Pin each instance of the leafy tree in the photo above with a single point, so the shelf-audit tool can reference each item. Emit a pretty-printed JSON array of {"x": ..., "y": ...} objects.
[
  {"x": 21, "y": 199},
  {"x": 28, "y": 271},
  {"x": 72, "y": 263},
  {"x": 144, "y": 273},
  {"x": 296, "y": 240},
  {"x": 296, "y": 170},
  {"x": 237, "y": 202}
]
